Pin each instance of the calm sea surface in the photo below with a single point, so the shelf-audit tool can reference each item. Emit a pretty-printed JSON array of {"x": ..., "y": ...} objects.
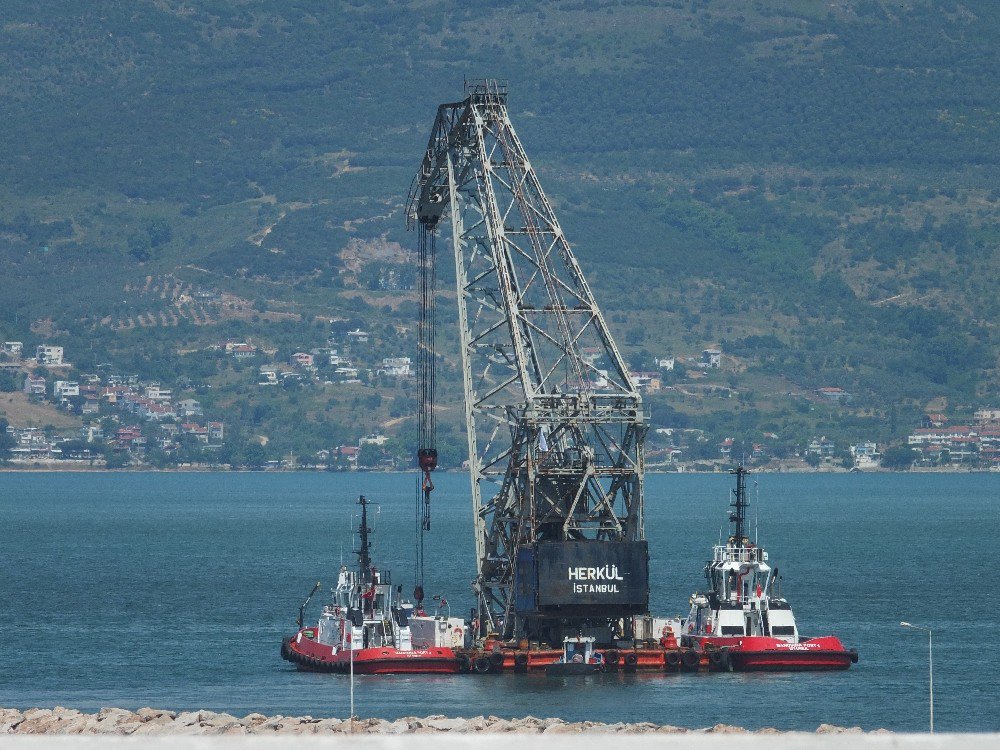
[{"x": 174, "y": 590}]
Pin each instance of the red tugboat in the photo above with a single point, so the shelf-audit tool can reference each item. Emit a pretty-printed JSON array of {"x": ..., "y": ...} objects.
[
  {"x": 366, "y": 630},
  {"x": 742, "y": 622}
]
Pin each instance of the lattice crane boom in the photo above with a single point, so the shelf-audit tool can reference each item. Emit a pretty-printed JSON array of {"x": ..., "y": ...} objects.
[{"x": 554, "y": 422}]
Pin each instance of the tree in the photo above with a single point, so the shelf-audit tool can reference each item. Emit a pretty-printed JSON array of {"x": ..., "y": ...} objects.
[
  {"x": 7, "y": 441},
  {"x": 254, "y": 456},
  {"x": 900, "y": 457},
  {"x": 370, "y": 455}
]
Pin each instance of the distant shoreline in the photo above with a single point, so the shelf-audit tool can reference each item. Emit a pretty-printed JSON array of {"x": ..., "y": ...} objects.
[{"x": 72, "y": 468}]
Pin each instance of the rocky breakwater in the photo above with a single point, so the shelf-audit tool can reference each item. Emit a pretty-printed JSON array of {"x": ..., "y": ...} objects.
[{"x": 153, "y": 721}]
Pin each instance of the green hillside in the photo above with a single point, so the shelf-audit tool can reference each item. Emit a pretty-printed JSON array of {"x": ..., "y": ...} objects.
[{"x": 813, "y": 186}]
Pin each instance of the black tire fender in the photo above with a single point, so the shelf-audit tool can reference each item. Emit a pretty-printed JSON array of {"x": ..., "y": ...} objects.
[
  {"x": 719, "y": 659},
  {"x": 690, "y": 659},
  {"x": 631, "y": 659},
  {"x": 672, "y": 659},
  {"x": 611, "y": 657},
  {"x": 481, "y": 665},
  {"x": 496, "y": 660}
]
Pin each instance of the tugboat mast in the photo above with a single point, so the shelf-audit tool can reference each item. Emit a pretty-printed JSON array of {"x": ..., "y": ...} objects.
[
  {"x": 738, "y": 514},
  {"x": 364, "y": 554}
]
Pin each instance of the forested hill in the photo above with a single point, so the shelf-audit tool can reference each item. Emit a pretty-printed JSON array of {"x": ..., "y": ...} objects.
[{"x": 812, "y": 185}]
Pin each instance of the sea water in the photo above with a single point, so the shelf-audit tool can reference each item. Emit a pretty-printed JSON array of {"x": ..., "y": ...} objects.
[{"x": 175, "y": 590}]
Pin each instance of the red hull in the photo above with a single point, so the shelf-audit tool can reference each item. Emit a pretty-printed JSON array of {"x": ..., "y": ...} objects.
[
  {"x": 309, "y": 655},
  {"x": 758, "y": 654}
]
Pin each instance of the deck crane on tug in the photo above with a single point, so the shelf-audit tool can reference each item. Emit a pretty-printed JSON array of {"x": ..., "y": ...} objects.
[{"x": 555, "y": 425}]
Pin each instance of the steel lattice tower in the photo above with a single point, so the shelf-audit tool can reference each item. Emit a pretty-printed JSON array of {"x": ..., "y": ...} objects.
[{"x": 555, "y": 425}]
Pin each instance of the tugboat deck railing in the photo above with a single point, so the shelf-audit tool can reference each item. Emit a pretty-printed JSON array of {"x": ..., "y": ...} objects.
[{"x": 732, "y": 553}]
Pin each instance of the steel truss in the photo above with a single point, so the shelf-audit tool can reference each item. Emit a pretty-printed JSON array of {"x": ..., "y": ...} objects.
[{"x": 555, "y": 425}]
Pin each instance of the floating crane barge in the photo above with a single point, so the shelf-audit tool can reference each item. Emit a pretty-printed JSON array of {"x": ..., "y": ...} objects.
[{"x": 555, "y": 426}]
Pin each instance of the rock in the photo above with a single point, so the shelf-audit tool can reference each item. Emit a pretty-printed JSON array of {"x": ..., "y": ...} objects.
[
  {"x": 159, "y": 725},
  {"x": 112, "y": 721},
  {"x": 562, "y": 728},
  {"x": 252, "y": 720},
  {"x": 187, "y": 718},
  {"x": 829, "y": 729},
  {"x": 149, "y": 714},
  {"x": 218, "y": 720},
  {"x": 670, "y": 729},
  {"x": 447, "y": 725},
  {"x": 477, "y": 724},
  {"x": 326, "y": 725},
  {"x": 727, "y": 729}
]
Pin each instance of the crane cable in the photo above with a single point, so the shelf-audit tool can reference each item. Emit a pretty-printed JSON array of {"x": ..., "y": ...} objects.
[{"x": 427, "y": 454}]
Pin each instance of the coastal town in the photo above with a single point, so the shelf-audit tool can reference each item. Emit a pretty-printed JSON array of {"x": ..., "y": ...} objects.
[{"x": 129, "y": 422}]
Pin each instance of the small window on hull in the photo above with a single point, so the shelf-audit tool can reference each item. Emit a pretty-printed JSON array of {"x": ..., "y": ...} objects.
[
  {"x": 732, "y": 630},
  {"x": 782, "y": 630}
]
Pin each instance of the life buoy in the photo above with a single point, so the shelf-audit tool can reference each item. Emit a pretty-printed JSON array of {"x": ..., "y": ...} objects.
[
  {"x": 666, "y": 631},
  {"x": 672, "y": 659},
  {"x": 458, "y": 632}
]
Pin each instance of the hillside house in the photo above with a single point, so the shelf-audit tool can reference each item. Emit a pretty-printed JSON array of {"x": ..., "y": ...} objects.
[
  {"x": 195, "y": 430},
  {"x": 34, "y": 385},
  {"x": 398, "y": 367},
  {"x": 268, "y": 376},
  {"x": 665, "y": 363},
  {"x": 154, "y": 392},
  {"x": 711, "y": 358},
  {"x": 821, "y": 447},
  {"x": 358, "y": 336},
  {"x": 240, "y": 349},
  {"x": 934, "y": 420},
  {"x": 836, "y": 395},
  {"x": 865, "y": 455},
  {"x": 216, "y": 432},
  {"x": 64, "y": 389},
  {"x": 188, "y": 407},
  {"x": 51, "y": 356},
  {"x": 12, "y": 350},
  {"x": 130, "y": 437},
  {"x": 302, "y": 359},
  {"x": 347, "y": 374},
  {"x": 983, "y": 416},
  {"x": 647, "y": 382}
]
